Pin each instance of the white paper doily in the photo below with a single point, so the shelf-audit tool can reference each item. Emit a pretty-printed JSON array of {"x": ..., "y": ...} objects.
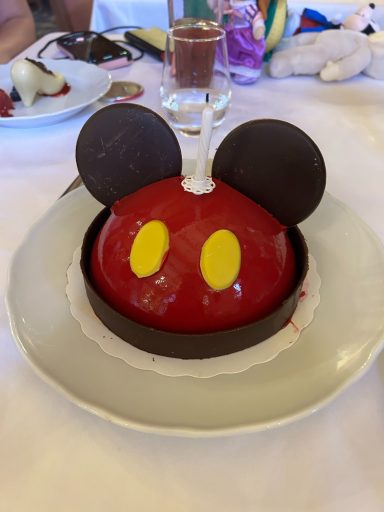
[{"x": 94, "y": 329}]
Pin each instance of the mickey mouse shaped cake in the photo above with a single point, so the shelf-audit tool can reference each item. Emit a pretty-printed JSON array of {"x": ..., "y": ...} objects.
[{"x": 200, "y": 267}]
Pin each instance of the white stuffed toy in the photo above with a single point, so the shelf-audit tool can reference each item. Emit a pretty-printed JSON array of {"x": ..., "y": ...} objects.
[
  {"x": 333, "y": 54},
  {"x": 362, "y": 20}
]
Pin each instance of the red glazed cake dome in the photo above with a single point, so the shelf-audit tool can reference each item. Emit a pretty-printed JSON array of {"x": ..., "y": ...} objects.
[
  {"x": 177, "y": 296},
  {"x": 185, "y": 275}
]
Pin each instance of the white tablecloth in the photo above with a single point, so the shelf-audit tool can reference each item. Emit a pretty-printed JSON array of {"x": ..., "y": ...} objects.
[
  {"x": 142, "y": 13},
  {"x": 56, "y": 456}
]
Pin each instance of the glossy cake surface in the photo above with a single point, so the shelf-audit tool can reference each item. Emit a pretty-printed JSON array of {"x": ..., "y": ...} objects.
[
  {"x": 194, "y": 276},
  {"x": 177, "y": 297}
]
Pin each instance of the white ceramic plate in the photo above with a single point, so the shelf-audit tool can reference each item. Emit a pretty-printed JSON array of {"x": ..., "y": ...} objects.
[
  {"x": 341, "y": 342},
  {"x": 88, "y": 83}
]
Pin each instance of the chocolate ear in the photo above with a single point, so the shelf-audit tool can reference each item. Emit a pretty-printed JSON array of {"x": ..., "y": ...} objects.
[
  {"x": 124, "y": 147},
  {"x": 276, "y": 165}
]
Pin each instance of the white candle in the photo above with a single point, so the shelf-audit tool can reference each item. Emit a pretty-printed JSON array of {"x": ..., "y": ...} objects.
[{"x": 204, "y": 142}]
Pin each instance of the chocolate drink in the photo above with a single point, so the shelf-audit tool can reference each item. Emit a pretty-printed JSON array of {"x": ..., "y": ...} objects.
[{"x": 194, "y": 59}]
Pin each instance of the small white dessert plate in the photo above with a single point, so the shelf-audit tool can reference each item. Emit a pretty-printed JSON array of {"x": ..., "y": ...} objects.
[
  {"x": 333, "y": 351},
  {"x": 88, "y": 83}
]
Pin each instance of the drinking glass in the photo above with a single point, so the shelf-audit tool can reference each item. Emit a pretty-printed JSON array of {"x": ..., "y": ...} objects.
[{"x": 195, "y": 73}]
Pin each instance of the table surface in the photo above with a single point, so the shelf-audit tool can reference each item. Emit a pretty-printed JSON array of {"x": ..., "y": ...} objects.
[
  {"x": 107, "y": 13},
  {"x": 56, "y": 456}
]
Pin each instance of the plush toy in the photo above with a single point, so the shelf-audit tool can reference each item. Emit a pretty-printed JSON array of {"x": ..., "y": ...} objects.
[
  {"x": 253, "y": 28},
  {"x": 309, "y": 20},
  {"x": 334, "y": 54},
  {"x": 244, "y": 26},
  {"x": 245, "y": 31},
  {"x": 362, "y": 20}
]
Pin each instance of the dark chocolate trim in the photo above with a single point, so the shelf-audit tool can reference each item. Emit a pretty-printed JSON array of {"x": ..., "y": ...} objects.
[
  {"x": 122, "y": 148},
  {"x": 191, "y": 346},
  {"x": 41, "y": 66},
  {"x": 275, "y": 164}
]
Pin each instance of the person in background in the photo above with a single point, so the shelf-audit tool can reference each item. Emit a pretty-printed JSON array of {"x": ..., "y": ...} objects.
[{"x": 17, "y": 28}]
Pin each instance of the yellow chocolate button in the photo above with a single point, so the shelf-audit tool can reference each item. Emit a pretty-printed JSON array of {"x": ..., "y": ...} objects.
[
  {"x": 149, "y": 248},
  {"x": 220, "y": 259}
]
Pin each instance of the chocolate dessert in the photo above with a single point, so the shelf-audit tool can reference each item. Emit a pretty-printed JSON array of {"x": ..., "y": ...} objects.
[
  {"x": 32, "y": 79},
  {"x": 195, "y": 276}
]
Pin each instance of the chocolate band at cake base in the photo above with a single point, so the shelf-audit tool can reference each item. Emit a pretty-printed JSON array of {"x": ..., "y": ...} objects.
[
  {"x": 276, "y": 165},
  {"x": 191, "y": 346},
  {"x": 124, "y": 147}
]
